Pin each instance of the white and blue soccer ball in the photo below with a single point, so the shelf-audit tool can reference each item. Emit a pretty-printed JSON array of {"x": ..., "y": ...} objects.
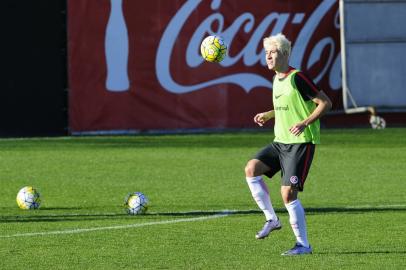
[
  {"x": 28, "y": 198},
  {"x": 136, "y": 203},
  {"x": 377, "y": 122}
]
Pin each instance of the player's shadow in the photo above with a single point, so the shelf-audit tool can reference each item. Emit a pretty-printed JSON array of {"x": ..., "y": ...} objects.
[{"x": 41, "y": 216}]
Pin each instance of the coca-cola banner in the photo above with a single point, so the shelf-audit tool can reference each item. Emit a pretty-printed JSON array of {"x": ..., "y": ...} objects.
[{"x": 136, "y": 65}]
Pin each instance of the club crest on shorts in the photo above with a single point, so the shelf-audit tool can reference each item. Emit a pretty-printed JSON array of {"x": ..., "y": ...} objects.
[{"x": 294, "y": 179}]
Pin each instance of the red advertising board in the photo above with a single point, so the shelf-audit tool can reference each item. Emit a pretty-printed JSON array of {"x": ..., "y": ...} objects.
[{"x": 135, "y": 65}]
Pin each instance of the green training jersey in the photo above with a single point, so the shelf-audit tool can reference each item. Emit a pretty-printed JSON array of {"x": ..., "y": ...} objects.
[{"x": 291, "y": 108}]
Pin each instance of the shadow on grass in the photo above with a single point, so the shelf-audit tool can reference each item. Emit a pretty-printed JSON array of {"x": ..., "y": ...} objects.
[
  {"x": 39, "y": 216},
  {"x": 354, "y": 210},
  {"x": 363, "y": 252},
  {"x": 186, "y": 140}
]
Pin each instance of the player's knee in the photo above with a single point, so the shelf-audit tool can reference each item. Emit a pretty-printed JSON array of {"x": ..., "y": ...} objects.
[
  {"x": 250, "y": 169},
  {"x": 285, "y": 198},
  {"x": 289, "y": 194}
]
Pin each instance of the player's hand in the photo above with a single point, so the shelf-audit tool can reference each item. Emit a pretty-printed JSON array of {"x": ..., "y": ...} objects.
[
  {"x": 260, "y": 119},
  {"x": 297, "y": 129}
]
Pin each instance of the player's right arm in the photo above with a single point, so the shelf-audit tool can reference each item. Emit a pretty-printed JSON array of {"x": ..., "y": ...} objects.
[{"x": 262, "y": 118}]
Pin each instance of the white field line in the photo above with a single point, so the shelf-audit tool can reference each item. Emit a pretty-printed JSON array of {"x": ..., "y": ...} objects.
[{"x": 118, "y": 227}]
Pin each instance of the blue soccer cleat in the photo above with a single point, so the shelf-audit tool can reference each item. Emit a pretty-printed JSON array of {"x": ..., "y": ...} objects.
[{"x": 298, "y": 249}]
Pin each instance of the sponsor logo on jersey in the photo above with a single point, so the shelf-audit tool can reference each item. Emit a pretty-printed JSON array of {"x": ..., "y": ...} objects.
[{"x": 282, "y": 108}]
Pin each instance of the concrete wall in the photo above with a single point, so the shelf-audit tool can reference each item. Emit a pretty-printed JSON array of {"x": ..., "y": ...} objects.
[{"x": 375, "y": 43}]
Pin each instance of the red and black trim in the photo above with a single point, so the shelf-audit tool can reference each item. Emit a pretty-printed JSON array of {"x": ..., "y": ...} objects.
[
  {"x": 307, "y": 88},
  {"x": 309, "y": 152}
]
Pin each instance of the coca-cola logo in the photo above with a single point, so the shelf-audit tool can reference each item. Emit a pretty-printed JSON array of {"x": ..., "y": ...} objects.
[{"x": 249, "y": 55}]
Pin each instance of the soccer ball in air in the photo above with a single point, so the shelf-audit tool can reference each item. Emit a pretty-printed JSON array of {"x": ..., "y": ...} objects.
[
  {"x": 136, "y": 203},
  {"x": 377, "y": 122},
  {"x": 28, "y": 198},
  {"x": 213, "y": 49}
]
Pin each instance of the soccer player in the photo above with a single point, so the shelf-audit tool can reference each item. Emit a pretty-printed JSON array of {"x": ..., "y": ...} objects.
[{"x": 298, "y": 104}]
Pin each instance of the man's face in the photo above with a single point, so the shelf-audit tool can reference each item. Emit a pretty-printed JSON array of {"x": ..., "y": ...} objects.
[{"x": 274, "y": 58}]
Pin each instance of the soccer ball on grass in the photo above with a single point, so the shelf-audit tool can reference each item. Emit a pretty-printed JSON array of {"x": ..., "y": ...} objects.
[
  {"x": 213, "y": 49},
  {"x": 377, "y": 122},
  {"x": 136, "y": 203},
  {"x": 28, "y": 198}
]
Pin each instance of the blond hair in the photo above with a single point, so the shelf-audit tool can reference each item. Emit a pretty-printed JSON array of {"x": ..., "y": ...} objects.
[{"x": 280, "y": 41}]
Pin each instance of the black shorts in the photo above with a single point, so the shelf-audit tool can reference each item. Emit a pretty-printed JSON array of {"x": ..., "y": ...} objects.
[{"x": 293, "y": 160}]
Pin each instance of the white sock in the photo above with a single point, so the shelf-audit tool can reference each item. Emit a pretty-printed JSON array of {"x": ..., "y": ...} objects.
[
  {"x": 260, "y": 193},
  {"x": 298, "y": 221}
]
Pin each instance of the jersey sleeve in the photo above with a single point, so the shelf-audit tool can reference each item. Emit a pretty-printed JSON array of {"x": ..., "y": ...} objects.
[{"x": 307, "y": 88}]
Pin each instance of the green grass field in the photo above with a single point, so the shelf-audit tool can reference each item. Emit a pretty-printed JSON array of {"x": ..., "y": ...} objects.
[{"x": 354, "y": 199}]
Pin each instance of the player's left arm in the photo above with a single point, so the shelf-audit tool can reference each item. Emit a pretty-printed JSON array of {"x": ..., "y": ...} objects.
[{"x": 311, "y": 91}]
